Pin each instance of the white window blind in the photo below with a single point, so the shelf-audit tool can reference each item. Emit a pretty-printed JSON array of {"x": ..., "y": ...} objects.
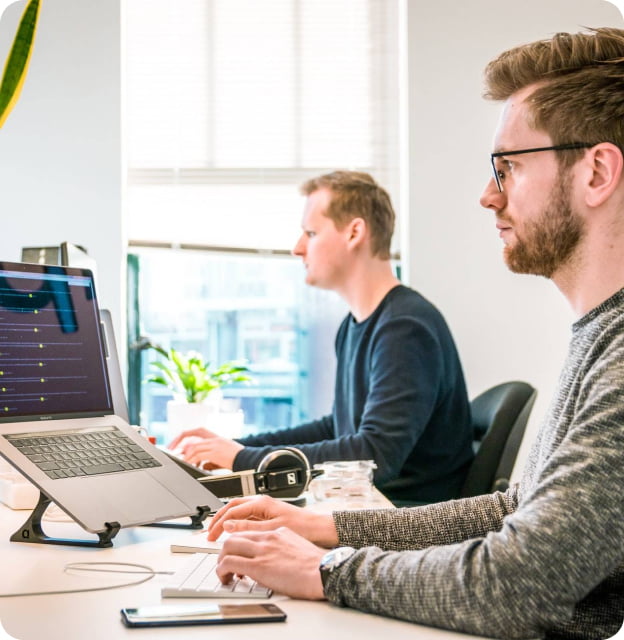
[{"x": 231, "y": 104}]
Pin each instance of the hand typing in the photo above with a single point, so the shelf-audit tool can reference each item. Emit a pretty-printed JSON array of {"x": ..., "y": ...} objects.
[
  {"x": 280, "y": 559},
  {"x": 206, "y": 449},
  {"x": 262, "y": 513}
]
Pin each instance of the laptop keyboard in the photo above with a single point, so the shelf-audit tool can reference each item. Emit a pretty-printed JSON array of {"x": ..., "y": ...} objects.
[
  {"x": 197, "y": 578},
  {"x": 88, "y": 452}
]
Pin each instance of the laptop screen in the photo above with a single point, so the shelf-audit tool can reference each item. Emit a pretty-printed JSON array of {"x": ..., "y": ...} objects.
[{"x": 52, "y": 362}]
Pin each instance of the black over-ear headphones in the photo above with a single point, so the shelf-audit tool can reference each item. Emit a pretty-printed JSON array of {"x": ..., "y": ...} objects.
[{"x": 283, "y": 473}]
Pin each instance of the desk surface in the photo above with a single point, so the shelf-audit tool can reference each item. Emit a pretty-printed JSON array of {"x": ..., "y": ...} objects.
[{"x": 95, "y": 615}]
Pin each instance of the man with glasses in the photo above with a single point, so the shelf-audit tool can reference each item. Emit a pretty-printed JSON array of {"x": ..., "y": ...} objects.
[
  {"x": 544, "y": 559},
  {"x": 558, "y": 235}
]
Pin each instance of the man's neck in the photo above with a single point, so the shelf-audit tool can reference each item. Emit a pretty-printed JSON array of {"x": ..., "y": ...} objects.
[
  {"x": 584, "y": 299},
  {"x": 368, "y": 287},
  {"x": 593, "y": 276}
]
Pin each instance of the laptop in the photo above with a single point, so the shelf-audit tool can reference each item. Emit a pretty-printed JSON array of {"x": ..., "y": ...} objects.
[
  {"x": 120, "y": 406},
  {"x": 57, "y": 408}
]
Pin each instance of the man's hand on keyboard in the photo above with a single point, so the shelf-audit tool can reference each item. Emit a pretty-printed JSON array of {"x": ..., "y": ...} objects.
[
  {"x": 279, "y": 559},
  {"x": 262, "y": 513},
  {"x": 205, "y": 448}
]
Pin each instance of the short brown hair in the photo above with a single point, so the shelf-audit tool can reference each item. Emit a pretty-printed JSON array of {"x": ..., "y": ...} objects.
[
  {"x": 580, "y": 85},
  {"x": 355, "y": 194}
]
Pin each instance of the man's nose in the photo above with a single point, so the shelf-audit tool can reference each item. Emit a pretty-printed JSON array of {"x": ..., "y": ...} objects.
[
  {"x": 299, "y": 248},
  {"x": 491, "y": 197}
]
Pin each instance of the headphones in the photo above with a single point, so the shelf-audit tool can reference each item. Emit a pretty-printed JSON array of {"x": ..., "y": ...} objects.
[{"x": 283, "y": 473}]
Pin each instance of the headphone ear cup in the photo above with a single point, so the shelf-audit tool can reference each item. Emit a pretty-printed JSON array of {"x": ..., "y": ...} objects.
[{"x": 296, "y": 472}]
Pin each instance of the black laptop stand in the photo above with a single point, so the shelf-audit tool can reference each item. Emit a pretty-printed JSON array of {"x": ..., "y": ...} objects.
[
  {"x": 32, "y": 530},
  {"x": 196, "y": 522}
]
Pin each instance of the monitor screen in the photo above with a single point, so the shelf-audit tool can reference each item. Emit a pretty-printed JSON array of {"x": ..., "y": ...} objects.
[{"x": 52, "y": 361}]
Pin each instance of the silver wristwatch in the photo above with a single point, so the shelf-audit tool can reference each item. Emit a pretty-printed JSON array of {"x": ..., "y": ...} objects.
[{"x": 332, "y": 560}]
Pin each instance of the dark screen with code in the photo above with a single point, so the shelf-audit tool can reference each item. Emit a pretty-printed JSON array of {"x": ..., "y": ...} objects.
[{"x": 52, "y": 362}]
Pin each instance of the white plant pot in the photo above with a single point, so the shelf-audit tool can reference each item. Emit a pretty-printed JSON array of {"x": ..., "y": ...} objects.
[{"x": 182, "y": 415}]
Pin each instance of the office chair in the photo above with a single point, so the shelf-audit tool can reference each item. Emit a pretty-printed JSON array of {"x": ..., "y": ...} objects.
[{"x": 499, "y": 418}]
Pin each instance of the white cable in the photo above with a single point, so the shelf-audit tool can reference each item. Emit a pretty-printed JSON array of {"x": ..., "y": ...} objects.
[{"x": 88, "y": 566}]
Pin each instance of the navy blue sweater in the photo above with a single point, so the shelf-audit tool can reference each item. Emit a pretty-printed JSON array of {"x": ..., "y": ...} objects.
[{"x": 400, "y": 400}]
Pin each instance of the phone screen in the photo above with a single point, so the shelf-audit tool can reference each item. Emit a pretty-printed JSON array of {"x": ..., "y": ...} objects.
[{"x": 173, "y": 615}]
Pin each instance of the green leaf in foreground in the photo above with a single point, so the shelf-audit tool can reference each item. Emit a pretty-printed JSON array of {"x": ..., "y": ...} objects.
[{"x": 18, "y": 59}]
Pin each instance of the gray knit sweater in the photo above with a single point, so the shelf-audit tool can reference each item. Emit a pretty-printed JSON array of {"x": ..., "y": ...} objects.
[{"x": 545, "y": 559}]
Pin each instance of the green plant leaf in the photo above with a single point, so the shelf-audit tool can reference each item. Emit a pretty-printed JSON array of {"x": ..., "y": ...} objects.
[
  {"x": 168, "y": 374},
  {"x": 189, "y": 375},
  {"x": 18, "y": 60}
]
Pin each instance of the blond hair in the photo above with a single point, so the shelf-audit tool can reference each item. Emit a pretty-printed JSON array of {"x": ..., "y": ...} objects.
[
  {"x": 579, "y": 78},
  {"x": 355, "y": 194}
]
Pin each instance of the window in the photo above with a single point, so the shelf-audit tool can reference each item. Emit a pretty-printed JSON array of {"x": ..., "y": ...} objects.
[
  {"x": 231, "y": 104},
  {"x": 235, "y": 307}
]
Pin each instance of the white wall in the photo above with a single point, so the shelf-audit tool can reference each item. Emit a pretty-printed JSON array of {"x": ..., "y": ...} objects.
[
  {"x": 507, "y": 326},
  {"x": 60, "y": 149}
]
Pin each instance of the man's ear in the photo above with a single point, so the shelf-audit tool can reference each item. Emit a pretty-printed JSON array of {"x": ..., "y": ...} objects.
[
  {"x": 605, "y": 164},
  {"x": 356, "y": 230}
]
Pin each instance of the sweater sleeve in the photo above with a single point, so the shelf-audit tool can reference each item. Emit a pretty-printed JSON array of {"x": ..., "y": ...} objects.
[
  {"x": 519, "y": 579},
  {"x": 436, "y": 524},
  {"x": 256, "y": 447}
]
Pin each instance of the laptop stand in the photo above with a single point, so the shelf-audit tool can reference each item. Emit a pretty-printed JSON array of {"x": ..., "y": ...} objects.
[
  {"x": 196, "y": 522},
  {"x": 32, "y": 531}
]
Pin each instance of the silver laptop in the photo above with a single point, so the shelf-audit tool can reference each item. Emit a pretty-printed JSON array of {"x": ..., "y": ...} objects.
[
  {"x": 115, "y": 379},
  {"x": 58, "y": 426}
]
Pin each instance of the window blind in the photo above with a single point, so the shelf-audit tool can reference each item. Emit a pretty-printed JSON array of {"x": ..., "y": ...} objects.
[{"x": 231, "y": 104}]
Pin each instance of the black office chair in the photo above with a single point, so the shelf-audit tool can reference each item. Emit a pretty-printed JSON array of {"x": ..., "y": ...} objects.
[{"x": 499, "y": 418}]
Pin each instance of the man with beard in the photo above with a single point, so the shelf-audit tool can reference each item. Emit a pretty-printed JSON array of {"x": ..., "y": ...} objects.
[{"x": 545, "y": 558}]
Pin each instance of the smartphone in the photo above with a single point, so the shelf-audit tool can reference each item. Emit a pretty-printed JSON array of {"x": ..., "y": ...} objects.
[{"x": 178, "y": 615}]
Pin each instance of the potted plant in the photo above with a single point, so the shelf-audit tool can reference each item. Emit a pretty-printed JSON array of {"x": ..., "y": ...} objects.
[{"x": 196, "y": 386}]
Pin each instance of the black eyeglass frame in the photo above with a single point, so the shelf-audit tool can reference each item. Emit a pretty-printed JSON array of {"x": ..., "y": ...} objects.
[{"x": 558, "y": 147}]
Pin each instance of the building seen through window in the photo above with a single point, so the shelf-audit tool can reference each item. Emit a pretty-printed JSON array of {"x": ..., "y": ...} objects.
[{"x": 256, "y": 309}]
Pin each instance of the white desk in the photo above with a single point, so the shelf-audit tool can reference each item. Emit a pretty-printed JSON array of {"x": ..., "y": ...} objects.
[{"x": 95, "y": 615}]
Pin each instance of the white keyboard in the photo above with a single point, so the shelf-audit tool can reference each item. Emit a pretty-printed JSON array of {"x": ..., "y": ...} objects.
[{"x": 198, "y": 579}]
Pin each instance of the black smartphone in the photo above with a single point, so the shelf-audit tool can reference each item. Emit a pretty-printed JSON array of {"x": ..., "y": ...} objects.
[{"x": 176, "y": 615}]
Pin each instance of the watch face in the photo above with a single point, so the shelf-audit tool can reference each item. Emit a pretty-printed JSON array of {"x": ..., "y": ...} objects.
[
  {"x": 332, "y": 560},
  {"x": 335, "y": 558}
]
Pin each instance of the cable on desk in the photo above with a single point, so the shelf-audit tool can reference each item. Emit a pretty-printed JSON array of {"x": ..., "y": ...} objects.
[{"x": 91, "y": 566}]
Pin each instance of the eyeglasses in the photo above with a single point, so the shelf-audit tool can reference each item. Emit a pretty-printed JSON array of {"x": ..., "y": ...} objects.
[{"x": 499, "y": 174}]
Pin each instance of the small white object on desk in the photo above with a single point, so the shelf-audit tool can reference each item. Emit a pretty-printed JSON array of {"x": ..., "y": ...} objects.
[
  {"x": 196, "y": 543},
  {"x": 344, "y": 479},
  {"x": 17, "y": 492}
]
